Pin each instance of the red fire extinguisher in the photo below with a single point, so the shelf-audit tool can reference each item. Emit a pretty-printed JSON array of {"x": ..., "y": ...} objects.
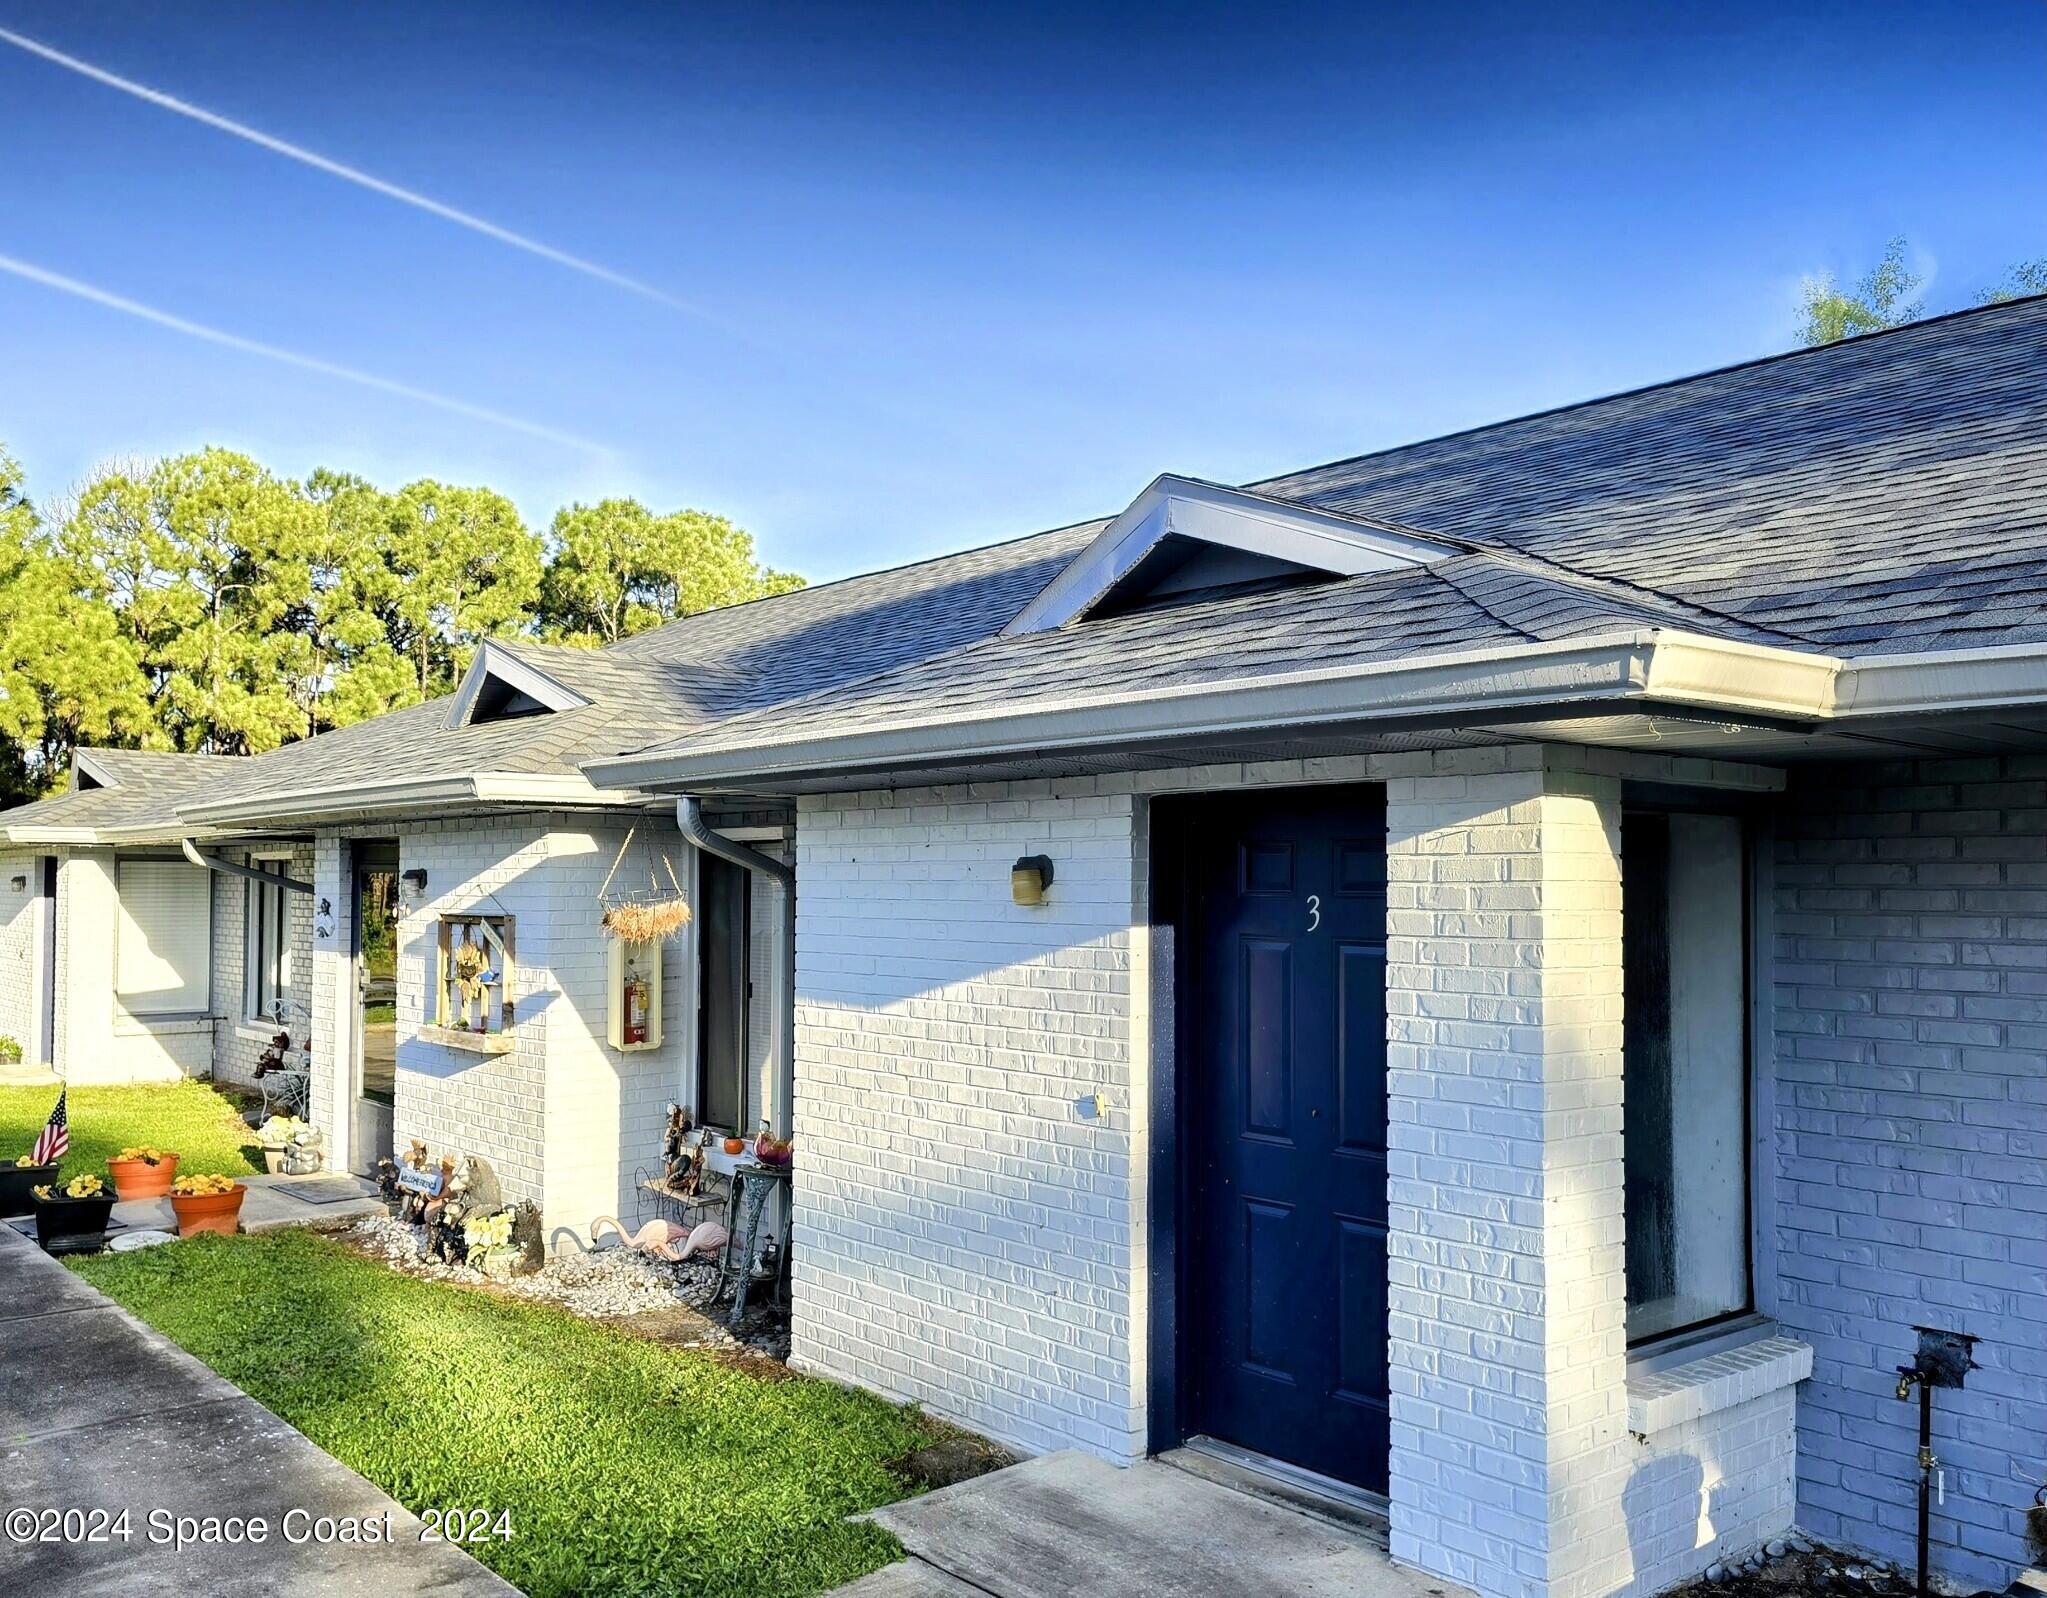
[{"x": 635, "y": 1006}]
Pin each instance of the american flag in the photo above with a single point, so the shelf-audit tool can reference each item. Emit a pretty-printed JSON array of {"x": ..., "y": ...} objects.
[{"x": 55, "y": 1140}]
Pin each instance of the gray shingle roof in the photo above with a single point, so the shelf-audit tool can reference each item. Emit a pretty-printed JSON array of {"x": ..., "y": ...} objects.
[
  {"x": 1466, "y": 602},
  {"x": 1888, "y": 493},
  {"x": 1884, "y": 494},
  {"x": 146, "y": 785}
]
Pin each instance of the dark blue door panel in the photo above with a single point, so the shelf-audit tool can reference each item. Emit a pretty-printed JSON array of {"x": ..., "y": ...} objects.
[{"x": 1283, "y": 1302}]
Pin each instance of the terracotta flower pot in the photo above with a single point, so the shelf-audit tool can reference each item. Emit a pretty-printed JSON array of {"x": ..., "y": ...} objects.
[
  {"x": 209, "y": 1212},
  {"x": 73, "y": 1226},
  {"x": 18, "y": 1184},
  {"x": 138, "y": 1179}
]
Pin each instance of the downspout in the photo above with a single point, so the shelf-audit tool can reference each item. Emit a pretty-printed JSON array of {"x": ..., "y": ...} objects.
[
  {"x": 215, "y": 863},
  {"x": 689, "y": 821}
]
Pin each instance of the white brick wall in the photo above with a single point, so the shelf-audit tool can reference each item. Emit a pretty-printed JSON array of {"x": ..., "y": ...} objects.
[
  {"x": 604, "y": 1107},
  {"x": 963, "y": 1240},
  {"x": 562, "y": 1118},
  {"x": 962, "y": 1237},
  {"x": 1508, "y": 1339}
]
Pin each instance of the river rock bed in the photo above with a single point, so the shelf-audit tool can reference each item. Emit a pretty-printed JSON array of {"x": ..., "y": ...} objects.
[
  {"x": 614, "y": 1284},
  {"x": 1792, "y": 1565}
]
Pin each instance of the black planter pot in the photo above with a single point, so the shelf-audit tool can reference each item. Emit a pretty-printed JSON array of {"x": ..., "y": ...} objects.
[
  {"x": 73, "y": 1226},
  {"x": 18, "y": 1184}
]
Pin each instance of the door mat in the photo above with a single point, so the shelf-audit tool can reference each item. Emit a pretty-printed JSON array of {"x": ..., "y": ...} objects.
[{"x": 323, "y": 1190}]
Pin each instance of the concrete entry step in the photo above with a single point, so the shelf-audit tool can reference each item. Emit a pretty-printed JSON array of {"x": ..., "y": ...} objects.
[{"x": 1069, "y": 1525}]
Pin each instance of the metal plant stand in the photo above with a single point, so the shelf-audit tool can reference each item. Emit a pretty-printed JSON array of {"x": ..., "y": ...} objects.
[{"x": 752, "y": 1185}]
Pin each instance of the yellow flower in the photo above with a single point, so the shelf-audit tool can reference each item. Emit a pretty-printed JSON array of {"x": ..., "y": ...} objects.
[
  {"x": 80, "y": 1187},
  {"x": 151, "y": 1156},
  {"x": 42, "y": 1192},
  {"x": 203, "y": 1186},
  {"x": 24, "y": 1162}
]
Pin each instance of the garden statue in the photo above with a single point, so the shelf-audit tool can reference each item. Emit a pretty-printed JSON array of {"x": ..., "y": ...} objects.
[
  {"x": 469, "y": 1190},
  {"x": 675, "y": 1143},
  {"x": 665, "y": 1239}
]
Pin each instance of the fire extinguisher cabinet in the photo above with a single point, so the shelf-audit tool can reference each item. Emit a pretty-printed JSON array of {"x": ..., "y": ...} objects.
[{"x": 635, "y": 994}]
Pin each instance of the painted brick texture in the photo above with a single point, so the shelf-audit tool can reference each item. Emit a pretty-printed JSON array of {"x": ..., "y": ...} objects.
[
  {"x": 562, "y": 1118},
  {"x": 1507, "y": 1293},
  {"x": 1911, "y": 1141},
  {"x": 962, "y": 1236}
]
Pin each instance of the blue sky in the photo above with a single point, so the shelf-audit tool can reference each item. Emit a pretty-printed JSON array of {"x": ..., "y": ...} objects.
[{"x": 954, "y": 273}]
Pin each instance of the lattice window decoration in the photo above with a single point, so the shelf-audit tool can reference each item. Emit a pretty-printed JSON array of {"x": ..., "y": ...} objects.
[{"x": 477, "y": 965}]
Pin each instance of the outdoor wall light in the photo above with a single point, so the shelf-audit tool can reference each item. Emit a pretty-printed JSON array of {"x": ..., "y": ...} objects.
[
  {"x": 19, "y": 884},
  {"x": 415, "y": 883},
  {"x": 1029, "y": 878}
]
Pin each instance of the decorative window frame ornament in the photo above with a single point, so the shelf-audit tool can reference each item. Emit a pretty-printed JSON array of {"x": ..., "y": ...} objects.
[{"x": 475, "y": 977}]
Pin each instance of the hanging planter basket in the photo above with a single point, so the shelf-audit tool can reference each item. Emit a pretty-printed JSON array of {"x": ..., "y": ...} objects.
[{"x": 643, "y": 918}]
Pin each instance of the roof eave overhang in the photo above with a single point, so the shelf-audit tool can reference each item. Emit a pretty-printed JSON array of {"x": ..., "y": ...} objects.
[
  {"x": 502, "y": 790},
  {"x": 1645, "y": 668}
]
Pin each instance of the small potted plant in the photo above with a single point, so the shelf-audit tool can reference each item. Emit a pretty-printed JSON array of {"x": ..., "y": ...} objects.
[
  {"x": 19, "y": 1181},
  {"x": 142, "y": 1173},
  {"x": 207, "y": 1204},
  {"x": 72, "y": 1219}
]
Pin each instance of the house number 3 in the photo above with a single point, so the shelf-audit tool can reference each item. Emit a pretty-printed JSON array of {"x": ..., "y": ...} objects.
[{"x": 1314, "y": 911}]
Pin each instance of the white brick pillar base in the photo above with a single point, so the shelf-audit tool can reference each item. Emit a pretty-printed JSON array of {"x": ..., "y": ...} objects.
[
  {"x": 1508, "y": 1316},
  {"x": 334, "y": 1000}
]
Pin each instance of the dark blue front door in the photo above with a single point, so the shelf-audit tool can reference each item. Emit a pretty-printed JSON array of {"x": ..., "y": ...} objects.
[{"x": 1283, "y": 1296}]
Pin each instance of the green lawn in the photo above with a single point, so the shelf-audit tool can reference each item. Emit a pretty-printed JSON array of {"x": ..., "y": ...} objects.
[
  {"x": 629, "y": 1467},
  {"x": 188, "y": 1118}
]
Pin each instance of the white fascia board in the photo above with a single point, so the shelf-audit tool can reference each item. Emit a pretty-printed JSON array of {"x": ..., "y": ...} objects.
[
  {"x": 493, "y": 659},
  {"x": 1213, "y": 514},
  {"x": 528, "y": 789},
  {"x": 78, "y": 835},
  {"x": 2011, "y": 677},
  {"x": 1464, "y": 688}
]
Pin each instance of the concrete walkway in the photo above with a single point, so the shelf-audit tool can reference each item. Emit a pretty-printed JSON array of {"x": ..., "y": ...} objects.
[
  {"x": 99, "y": 1412},
  {"x": 1069, "y": 1526}
]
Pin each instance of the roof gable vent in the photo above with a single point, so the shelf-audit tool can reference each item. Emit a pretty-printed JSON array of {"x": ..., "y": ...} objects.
[
  {"x": 499, "y": 686},
  {"x": 1183, "y": 541},
  {"x": 87, "y": 772}
]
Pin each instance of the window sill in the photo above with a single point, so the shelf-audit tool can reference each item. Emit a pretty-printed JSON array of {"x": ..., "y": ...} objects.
[
  {"x": 474, "y": 1042},
  {"x": 1663, "y": 1395},
  {"x": 259, "y": 1031}
]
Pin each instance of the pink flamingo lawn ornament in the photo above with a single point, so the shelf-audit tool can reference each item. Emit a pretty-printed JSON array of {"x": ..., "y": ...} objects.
[{"x": 665, "y": 1240}]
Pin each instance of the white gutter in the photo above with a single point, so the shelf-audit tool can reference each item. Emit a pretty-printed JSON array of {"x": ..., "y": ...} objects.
[
  {"x": 1647, "y": 667},
  {"x": 1942, "y": 680},
  {"x": 540, "y": 791}
]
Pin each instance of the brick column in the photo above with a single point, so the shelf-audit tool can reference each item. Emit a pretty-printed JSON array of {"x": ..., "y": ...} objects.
[
  {"x": 334, "y": 1001},
  {"x": 1508, "y": 1315}
]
